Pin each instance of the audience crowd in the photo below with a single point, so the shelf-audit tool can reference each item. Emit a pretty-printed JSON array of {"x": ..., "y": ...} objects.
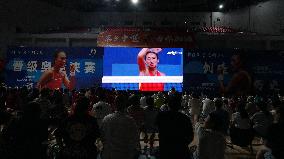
[{"x": 111, "y": 124}]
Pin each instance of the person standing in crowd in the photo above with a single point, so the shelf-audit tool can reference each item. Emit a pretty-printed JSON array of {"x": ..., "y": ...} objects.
[
  {"x": 120, "y": 135},
  {"x": 262, "y": 119},
  {"x": 150, "y": 118},
  {"x": 25, "y": 135},
  {"x": 45, "y": 104},
  {"x": 211, "y": 140},
  {"x": 77, "y": 134},
  {"x": 136, "y": 111},
  {"x": 273, "y": 143},
  {"x": 222, "y": 114},
  {"x": 208, "y": 106},
  {"x": 241, "y": 131},
  {"x": 175, "y": 131},
  {"x": 54, "y": 77},
  {"x": 195, "y": 106},
  {"x": 148, "y": 60},
  {"x": 101, "y": 108}
]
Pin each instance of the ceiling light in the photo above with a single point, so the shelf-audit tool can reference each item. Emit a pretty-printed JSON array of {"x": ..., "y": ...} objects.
[{"x": 134, "y": 1}]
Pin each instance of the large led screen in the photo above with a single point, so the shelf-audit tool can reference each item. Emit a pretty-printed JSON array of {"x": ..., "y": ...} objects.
[{"x": 144, "y": 69}]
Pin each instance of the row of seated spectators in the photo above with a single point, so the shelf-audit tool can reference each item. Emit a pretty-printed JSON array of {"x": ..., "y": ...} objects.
[{"x": 80, "y": 120}]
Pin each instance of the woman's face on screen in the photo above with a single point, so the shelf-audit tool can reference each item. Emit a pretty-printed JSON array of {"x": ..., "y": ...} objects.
[
  {"x": 152, "y": 60},
  {"x": 60, "y": 59}
]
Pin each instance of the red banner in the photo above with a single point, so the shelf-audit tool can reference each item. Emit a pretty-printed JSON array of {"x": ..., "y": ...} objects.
[{"x": 135, "y": 37}]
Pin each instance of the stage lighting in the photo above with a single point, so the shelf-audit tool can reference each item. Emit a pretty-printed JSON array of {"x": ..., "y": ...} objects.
[{"x": 134, "y": 1}]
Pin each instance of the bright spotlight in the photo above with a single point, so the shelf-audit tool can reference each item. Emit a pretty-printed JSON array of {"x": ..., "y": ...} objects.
[
  {"x": 221, "y": 6},
  {"x": 134, "y": 1}
]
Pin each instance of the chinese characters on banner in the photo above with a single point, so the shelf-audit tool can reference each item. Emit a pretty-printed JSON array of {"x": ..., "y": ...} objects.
[
  {"x": 202, "y": 67},
  {"x": 25, "y": 65},
  {"x": 139, "y": 38},
  {"x": 32, "y": 66}
]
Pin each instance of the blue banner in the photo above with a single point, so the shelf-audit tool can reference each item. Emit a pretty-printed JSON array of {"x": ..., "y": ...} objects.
[
  {"x": 25, "y": 65},
  {"x": 259, "y": 71}
]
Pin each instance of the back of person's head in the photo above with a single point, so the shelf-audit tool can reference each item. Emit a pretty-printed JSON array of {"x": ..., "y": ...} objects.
[
  {"x": 30, "y": 94},
  {"x": 98, "y": 90},
  {"x": 57, "y": 97},
  {"x": 102, "y": 95},
  {"x": 226, "y": 101},
  {"x": 241, "y": 109},
  {"x": 276, "y": 102},
  {"x": 250, "y": 99},
  {"x": 134, "y": 100},
  {"x": 218, "y": 103},
  {"x": 66, "y": 90},
  {"x": 262, "y": 106},
  {"x": 174, "y": 102},
  {"x": 120, "y": 102},
  {"x": 195, "y": 95},
  {"x": 258, "y": 99},
  {"x": 210, "y": 96},
  {"x": 213, "y": 122},
  {"x": 150, "y": 101},
  {"x": 82, "y": 105},
  {"x": 45, "y": 92},
  {"x": 31, "y": 110}
]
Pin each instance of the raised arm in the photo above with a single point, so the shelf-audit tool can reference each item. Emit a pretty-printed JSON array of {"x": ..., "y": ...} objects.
[
  {"x": 141, "y": 59},
  {"x": 70, "y": 84}
]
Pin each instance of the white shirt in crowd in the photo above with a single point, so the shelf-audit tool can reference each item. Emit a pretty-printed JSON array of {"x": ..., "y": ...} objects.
[
  {"x": 261, "y": 122},
  {"x": 100, "y": 110},
  {"x": 211, "y": 144},
  {"x": 143, "y": 101},
  {"x": 119, "y": 136},
  {"x": 208, "y": 106},
  {"x": 195, "y": 106}
]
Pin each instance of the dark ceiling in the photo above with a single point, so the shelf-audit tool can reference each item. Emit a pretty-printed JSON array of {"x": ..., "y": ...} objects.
[{"x": 151, "y": 5}]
